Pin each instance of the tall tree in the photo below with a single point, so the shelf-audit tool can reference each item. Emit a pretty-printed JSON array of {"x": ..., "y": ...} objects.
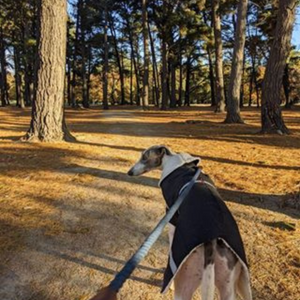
[
  {"x": 3, "y": 74},
  {"x": 233, "y": 103},
  {"x": 105, "y": 68},
  {"x": 82, "y": 11},
  {"x": 18, "y": 78},
  {"x": 146, "y": 54},
  {"x": 271, "y": 116},
  {"x": 47, "y": 123},
  {"x": 219, "y": 56},
  {"x": 118, "y": 58},
  {"x": 164, "y": 73}
]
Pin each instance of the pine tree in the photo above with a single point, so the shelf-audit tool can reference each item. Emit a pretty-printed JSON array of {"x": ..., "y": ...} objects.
[{"x": 47, "y": 123}]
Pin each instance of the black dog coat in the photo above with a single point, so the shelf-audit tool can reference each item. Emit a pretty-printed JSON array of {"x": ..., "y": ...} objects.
[{"x": 202, "y": 217}]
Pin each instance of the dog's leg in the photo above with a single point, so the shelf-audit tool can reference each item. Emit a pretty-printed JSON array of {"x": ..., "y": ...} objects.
[
  {"x": 171, "y": 237},
  {"x": 171, "y": 234},
  {"x": 228, "y": 270},
  {"x": 208, "y": 280},
  {"x": 243, "y": 285},
  {"x": 188, "y": 278}
]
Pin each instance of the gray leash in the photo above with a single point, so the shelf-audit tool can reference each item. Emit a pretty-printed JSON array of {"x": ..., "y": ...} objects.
[{"x": 133, "y": 262}]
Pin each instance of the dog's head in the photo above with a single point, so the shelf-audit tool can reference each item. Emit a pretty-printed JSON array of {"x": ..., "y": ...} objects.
[{"x": 150, "y": 159}]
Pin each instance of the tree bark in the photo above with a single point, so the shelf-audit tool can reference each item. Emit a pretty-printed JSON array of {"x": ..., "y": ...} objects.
[
  {"x": 286, "y": 85},
  {"x": 233, "y": 107},
  {"x": 180, "y": 70},
  {"x": 155, "y": 69},
  {"x": 73, "y": 81},
  {"x": 173, "y": 83},
  {"x": 271, "y": 116},
  {"x": 187, "y": 82},
  {"x": 135, "y": 65},
  {"x": 27, "y": 64},
  {"x": 81, "y": 12},
  {"x": 164, "y": 73},
  {"x": 69, "y": 66},
  {"x": 3, "y": 63},
  {"x": 250, "y": 89},
  {"x": 146, "y": 55},
  {"x": 89, "y": 72},
  {"x": 18, "y": 78},
  {"x": 220, "y": 95},
  {"x": 212, "y": 78},
  {"x": 137, "y": 52},
  {"x": 105, "y": 67},
  {"x": 113, "y": 32},
  {"x": 242, "y": 85},
  {"x": 47, "y": 123},
  {"x": 131, "y": 78},
  {"x": 164, "y": 77}
]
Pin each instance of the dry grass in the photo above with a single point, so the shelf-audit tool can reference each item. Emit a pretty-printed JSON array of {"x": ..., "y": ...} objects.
[{"x": 70, "y": 217}]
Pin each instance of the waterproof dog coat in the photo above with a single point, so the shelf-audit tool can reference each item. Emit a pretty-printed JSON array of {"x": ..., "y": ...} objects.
[{"x": 202, "y": 217}]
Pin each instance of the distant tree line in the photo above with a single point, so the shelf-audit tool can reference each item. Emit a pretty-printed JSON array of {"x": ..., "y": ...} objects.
[{"x": 165, "y": 53}]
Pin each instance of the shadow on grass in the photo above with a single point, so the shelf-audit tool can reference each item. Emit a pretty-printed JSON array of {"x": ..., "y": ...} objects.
[
  {"x": 205, "y": 157},
  {"x": 87, "y": 122},
  {"x": 268, "y": 202},
  {"x": 102, "y": 269}
]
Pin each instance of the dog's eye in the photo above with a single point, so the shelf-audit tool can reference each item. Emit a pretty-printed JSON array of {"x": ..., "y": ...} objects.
[{"x": 144, "y": 157}]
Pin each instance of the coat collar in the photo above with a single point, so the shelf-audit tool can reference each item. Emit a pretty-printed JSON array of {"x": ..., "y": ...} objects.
[{"x": 175, "y": 161}]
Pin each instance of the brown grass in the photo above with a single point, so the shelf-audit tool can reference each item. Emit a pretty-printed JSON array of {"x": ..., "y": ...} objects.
[{"x": 70, "y": 217}]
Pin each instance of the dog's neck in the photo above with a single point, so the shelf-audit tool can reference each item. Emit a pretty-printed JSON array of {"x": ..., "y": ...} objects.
[{"x": 174, "y": 161}]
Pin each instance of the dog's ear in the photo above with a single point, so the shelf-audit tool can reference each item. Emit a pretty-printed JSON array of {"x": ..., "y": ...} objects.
[{"x": 162, "y": 150}]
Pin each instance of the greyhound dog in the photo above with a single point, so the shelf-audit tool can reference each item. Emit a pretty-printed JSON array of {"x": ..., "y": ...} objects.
[{"x": 206, "y": 249}]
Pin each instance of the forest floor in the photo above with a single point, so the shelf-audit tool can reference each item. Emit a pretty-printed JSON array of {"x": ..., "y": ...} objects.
[{"x": 70, "y": 216}]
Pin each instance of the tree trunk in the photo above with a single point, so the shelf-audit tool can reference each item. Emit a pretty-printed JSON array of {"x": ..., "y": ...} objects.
[
  {"x": 286, "y": 85},
  {"x": 212, "y": 78},
  {"x": 136, "y": 69},
  {"x": 155, "y": 69},
  {"x": 89, "y": 72},
  {"x": 173, "y": 83},
  {"x": 180, "y": 70},
  {"x": 69, "y": 66},
  {"x": 73, "y": 81},
  {"x": 164, "y": 73},
  {"x": 26, "y": 63},
  {"x": 105, "y": 67},
  {"x": 137, "y": 52},
  {"x": 187, "y": 82},
  {"x": 242, "y": 85},
  {"x": 250, "y": 89},
  {"x": 233, "y": 107},
  {"x": 47, "y": 123},
  {"x": 220, "y": 95},
  {"x": 271, "y": 116},
  {"x": 27, "y": 84},
  {"x": 146, "y": 55},
  {"x": 113, "y": 32},
  {"x": 82, "y": 13},
  {"x": 3, "y": 63},
  {"x": 131, "y": 79},
  {"x": 257, "y": 91},
  {"x": 18, "y": 78}
]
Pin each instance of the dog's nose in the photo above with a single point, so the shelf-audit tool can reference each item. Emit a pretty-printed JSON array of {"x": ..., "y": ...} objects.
[{"x": 130, "y": 172}]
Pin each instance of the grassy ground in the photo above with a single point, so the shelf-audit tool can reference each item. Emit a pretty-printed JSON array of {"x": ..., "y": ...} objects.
[{"x": 70, "y": 216}]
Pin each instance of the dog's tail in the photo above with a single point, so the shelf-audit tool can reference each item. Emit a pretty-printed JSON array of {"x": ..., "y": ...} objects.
[{"x": 243, "y": 284}]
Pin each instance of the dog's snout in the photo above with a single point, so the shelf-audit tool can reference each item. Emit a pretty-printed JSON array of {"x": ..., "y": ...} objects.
[{"x": 130, "y": 172}]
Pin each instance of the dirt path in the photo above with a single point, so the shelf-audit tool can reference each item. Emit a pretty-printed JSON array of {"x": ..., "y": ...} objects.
[{"x": 70, "y": 216}]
